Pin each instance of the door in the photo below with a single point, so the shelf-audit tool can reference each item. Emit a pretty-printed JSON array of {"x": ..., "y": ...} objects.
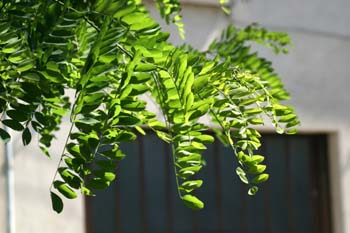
[{"x": 144, "y": 197}]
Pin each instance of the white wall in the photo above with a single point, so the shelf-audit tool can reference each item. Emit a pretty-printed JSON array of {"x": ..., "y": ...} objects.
[
  {"x": 2, "y": 191},
  {"x": 33, "y": 176}
]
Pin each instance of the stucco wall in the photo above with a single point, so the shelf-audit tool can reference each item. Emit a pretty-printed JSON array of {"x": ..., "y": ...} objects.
[
  {"x": 33, "y": 176},
  {"x": 2, "y": 191}
]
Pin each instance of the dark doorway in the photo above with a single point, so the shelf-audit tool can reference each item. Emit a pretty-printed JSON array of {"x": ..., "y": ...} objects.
[{"x": 144, "y": 198}]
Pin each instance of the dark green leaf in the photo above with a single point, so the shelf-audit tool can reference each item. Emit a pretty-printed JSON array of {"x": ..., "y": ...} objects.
[
  {"x": 15, "y": 125},
  {"x": 125, "y": 136},
  {"x": 26, "y": 136},
  {"x": 5, "y": 136},
  {"x": 41, "y": 118},
  {"x": 98, "y": 183},
  {"x": 114, "y": 153},
  {"x": 17, "y": 115},
  {"x": 128, "y": 120},
  {"x": 57, "y": 204},
  {"x": 53, "y": 76},
  {"x": 71, "y": 179},
  {"x": 107, "y": 165}
]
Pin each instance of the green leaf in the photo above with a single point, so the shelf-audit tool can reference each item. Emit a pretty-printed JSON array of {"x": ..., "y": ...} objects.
[
  {"x": 200, "y": 83},
  {"x": 260, "y": 178},
  {"x": 41, "y": 118},
  {"x": 157, "y": 125},
  {"x": 52, "y": 76},
  {"x": 73, "y": 149},
  {"x": 128, "y": 120},
  {"x": 256, "y": 121},
  {"x": 87, "y": 192},
  {"x": 242, "y": 175},
  {"x": 74, "y": 163},
  {"x": 256, "y": 169},
  {"x": 134, "y": 18},
  {"x": 204, "y": 138},
  {"x": 164, "y": 136},
  {"x": 93, "y": 99},
  {"x": 15, "y": 125},
  {"x": 140, "y": 130},
  {"x": 26, "y": 136},
  {"x": 253, "y": 190},
  {"x": 145, "y": 67},
  {"x": 18, "y": 56},
  {"x": 255, "y": 159},
  {"x": 107, "y": 165},
  {"x": 71, "y": 179},
  {"x": 126, "y": 136},
  {"x": 114, "y": 153},
  {"x": 279, "y": 130},
  {"x": 138, "y": 89},
  {"x": 192, "y": 158},
  {"x": 98, "y": 183},
  {"x": 5, "y": 136},
  {"x": 291, "y": 131},
  {"x": 64, "y": 189},
  {"x": 57, "y": 203},
  {"x": 240, "y": 92},
  {"x": 105, "y": 175},
  {"x": 12, "y": 46},
  {"x": 192, "y": 202},
  {"x": 25, "y": 65},
  {"x": 292, "y": 123},
  {"x": 189, "y": 186},
  {"x": 133, "y": 105},
  {"x": 252, "y": 111},
  {"x": 287, "y": 118},
  {"x": 186, "y": 172},
  {"x": 17, "y": 115}
]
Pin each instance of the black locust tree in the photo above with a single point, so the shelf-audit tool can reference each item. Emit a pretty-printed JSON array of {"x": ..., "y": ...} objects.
[{"x": 111, "y": 53}]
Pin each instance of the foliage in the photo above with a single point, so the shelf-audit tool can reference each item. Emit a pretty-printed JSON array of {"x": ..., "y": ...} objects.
[{"x": 111, "y": 53}]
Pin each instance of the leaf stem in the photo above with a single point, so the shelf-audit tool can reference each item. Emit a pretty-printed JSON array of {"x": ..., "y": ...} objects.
[
  {"x": 173, "y": 150},
  {"x": 62, "y": 154}
]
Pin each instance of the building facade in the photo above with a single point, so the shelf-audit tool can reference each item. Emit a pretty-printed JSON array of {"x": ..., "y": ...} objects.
[{"x": 316, "y": 72}]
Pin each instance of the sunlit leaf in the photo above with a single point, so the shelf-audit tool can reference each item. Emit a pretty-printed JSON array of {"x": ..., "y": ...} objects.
[{"x": 193, "y": 202}]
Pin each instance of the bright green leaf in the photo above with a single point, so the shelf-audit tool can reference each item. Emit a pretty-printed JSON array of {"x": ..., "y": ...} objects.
[
  {"x": 193, "y": 202},
  {"x": 260, "y": 178},
  {"x": 64, "y": 189}
]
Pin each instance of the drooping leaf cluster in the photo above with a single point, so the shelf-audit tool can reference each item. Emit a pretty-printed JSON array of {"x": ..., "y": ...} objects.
[{"x": 97, "y": 60}]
